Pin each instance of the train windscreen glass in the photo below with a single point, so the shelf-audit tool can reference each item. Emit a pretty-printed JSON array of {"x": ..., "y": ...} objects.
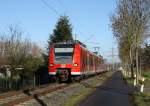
[{"x": 63, "y": 53}]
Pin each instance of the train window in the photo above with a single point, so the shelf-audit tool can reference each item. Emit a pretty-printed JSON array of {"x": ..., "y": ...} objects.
[
  {"x": 63, "y": 53},
  {"x": 65, "y": 50}
]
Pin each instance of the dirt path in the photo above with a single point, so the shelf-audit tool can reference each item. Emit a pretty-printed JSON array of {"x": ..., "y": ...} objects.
[{"x": 114, "y": 92}]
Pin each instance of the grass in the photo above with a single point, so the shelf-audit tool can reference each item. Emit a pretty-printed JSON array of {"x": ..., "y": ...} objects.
[
  {"x": 141, "y": 99},
  {"x": 76, "y": 98},
  {"x": 146, "y": 74},
  {"x": 129, "y": 81}
]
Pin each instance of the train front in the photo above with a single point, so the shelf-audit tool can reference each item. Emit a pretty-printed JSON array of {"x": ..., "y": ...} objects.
[{"x": 61, "y": 63}]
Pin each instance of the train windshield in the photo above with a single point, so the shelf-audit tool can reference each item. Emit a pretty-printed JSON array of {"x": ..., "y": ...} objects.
[{"x": 63, "y": 53}]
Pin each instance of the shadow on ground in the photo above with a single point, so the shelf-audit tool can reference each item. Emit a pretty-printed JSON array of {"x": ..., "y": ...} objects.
[{"x": 35, "y": 96}]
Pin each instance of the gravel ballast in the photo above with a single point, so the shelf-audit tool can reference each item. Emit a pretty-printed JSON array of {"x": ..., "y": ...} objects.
[{"x": 70, "y": 95}]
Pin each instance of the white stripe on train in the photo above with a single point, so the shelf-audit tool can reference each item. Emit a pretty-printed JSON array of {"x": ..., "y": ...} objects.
[{"x": 77, "y": 73}]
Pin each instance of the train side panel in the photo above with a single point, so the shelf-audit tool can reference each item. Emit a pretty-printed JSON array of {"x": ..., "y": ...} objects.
[
  {"x": 88, "y": 64},
  {"x": 52, "y": 70},
  {"x": 76, "y": 70}
]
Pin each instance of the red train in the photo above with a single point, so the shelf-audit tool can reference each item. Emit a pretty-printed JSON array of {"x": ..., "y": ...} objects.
[{"x": 69, "y": 61}]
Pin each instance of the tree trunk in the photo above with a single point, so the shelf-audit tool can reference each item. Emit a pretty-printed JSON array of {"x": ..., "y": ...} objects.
[
  {"x": 131, "y": 63},
  {"x": 137, "y": 65},
  {"x": 34, "y": 80}
]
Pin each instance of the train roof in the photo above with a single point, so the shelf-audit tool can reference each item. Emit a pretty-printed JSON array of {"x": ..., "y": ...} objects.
[{"x": 71, "y": 42}]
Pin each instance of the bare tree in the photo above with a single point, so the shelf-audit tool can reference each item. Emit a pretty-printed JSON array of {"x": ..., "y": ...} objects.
[
  {"x": 22, "y": 56},
  {"x": 130, "y": 25},
  {"x": 3, "y": 43}
]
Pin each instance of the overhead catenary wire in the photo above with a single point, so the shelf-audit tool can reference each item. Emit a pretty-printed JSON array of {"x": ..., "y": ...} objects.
[
  {"x": 54, "y": 10},
  {"x": 89, "y": 38},
  {"x": 62, "y": 5},
  {"x": 57, "y": 13},
  {"x": 50, "y": 7}
]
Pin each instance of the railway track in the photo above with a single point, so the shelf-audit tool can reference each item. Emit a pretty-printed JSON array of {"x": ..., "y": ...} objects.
[
  {"x": 17, "y": 97},
  {"x": 14, "y": 98}
]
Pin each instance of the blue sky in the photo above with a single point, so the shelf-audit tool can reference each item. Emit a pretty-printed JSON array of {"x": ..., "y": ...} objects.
[{"x": 88, "y": 17}]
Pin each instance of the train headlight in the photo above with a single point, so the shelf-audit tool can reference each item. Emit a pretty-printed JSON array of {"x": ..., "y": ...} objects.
[
  {"x": 75, "y": 64},
  {"x": 51, "y": 65}
]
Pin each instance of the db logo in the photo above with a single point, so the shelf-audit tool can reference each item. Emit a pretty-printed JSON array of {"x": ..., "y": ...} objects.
[{"x": 63, "y": 65}]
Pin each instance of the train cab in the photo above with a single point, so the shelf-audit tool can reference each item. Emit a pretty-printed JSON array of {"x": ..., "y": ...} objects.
[{"x": 69, "y": 61}]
